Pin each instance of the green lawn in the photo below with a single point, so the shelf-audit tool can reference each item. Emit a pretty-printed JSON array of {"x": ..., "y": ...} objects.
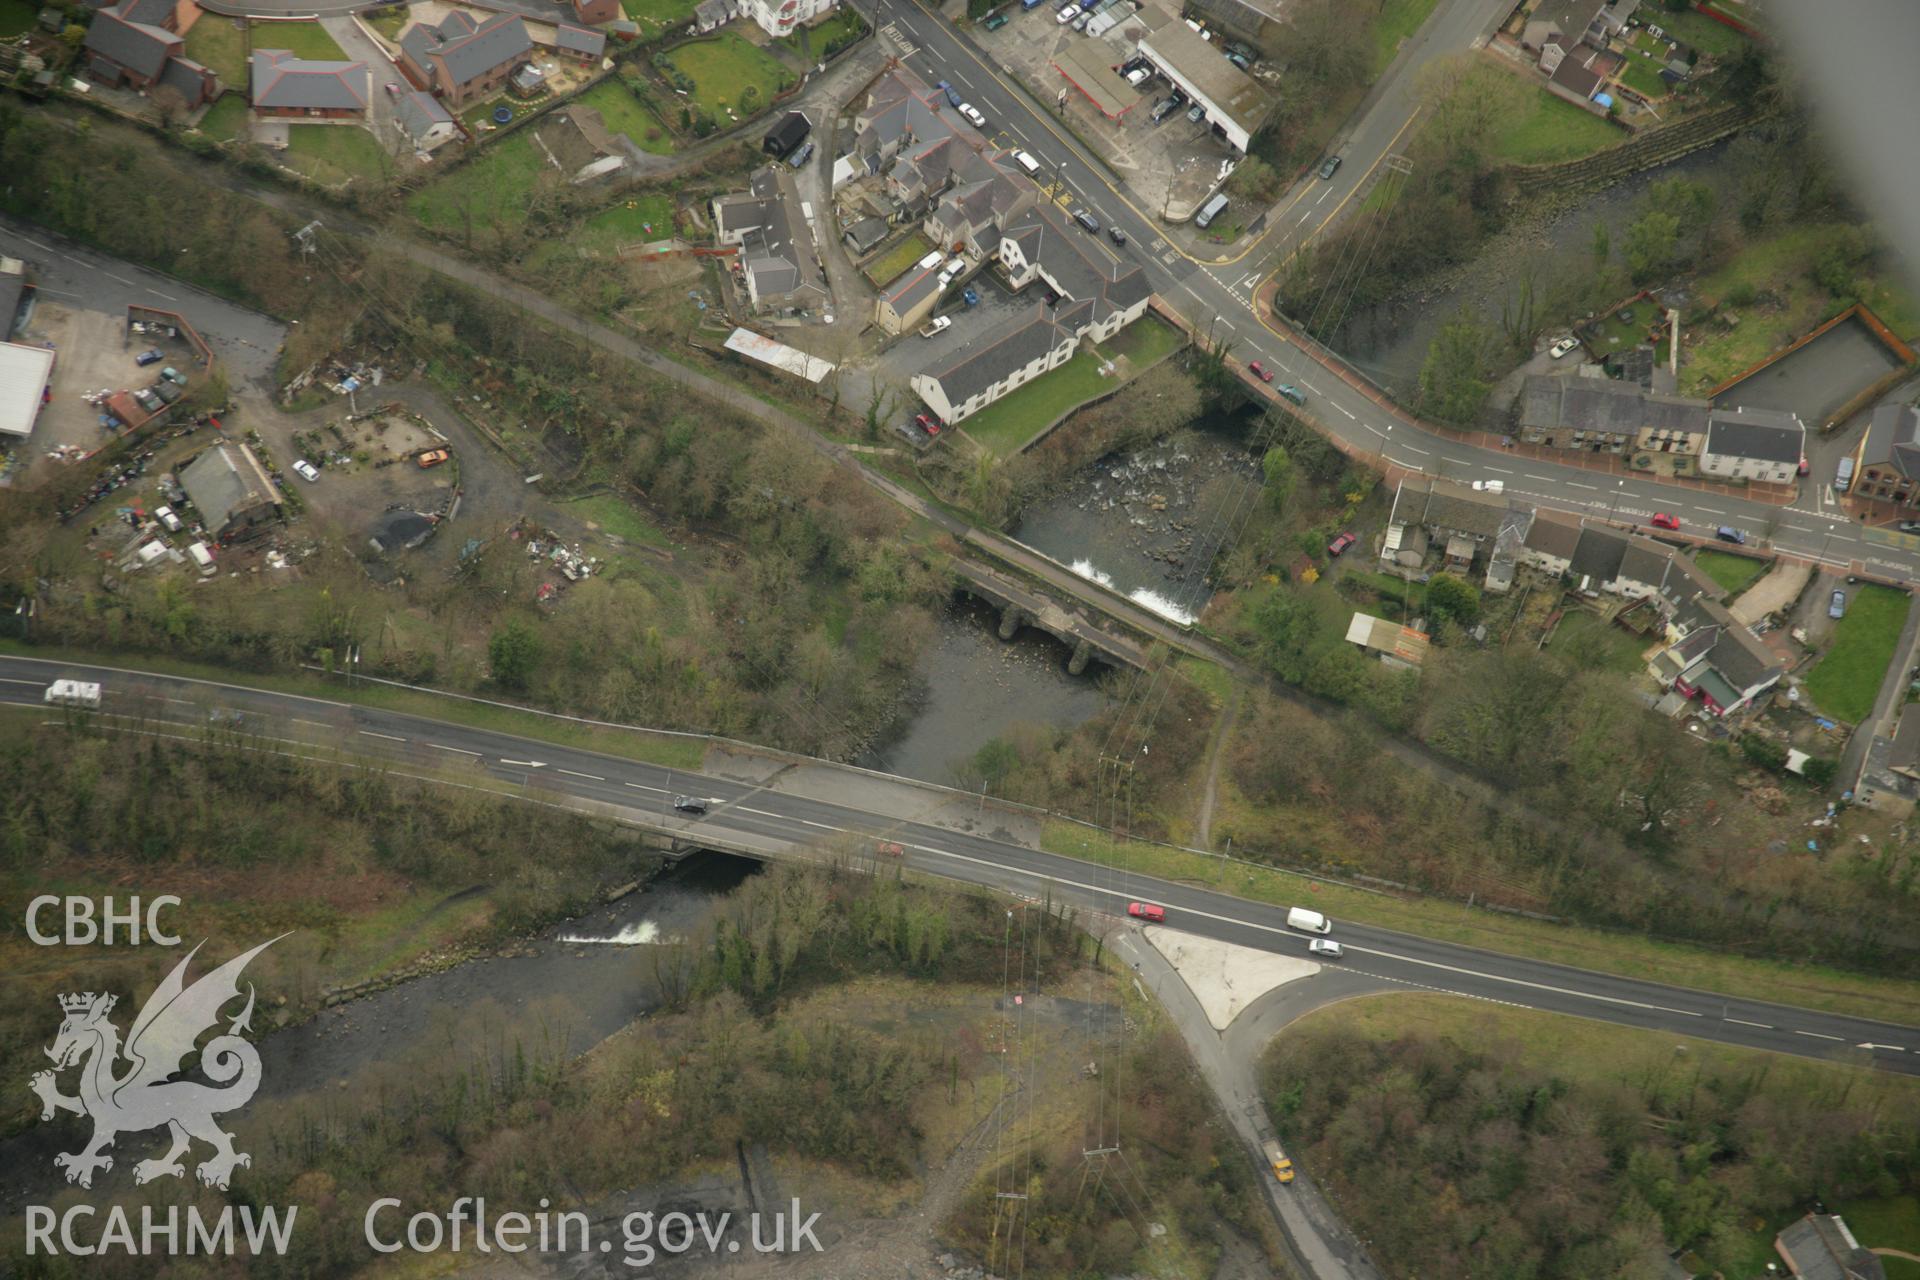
[
  {"x": 722, "y": 68},
  {"x": 619, "y": 518},
  {"x": 335, "y": 153},
  {"x": 624, "y": 113},
  {"x": 1010, "y": 422},
  {"x": 226, "y": 119},
  {"x": 1890, "y": 1222},
  {"x": 1703, "y": 33},
  {"x": 1550, "y": 131},
  {"x": 1611, "y": 334},
  {"x": 16, "y": 16},
  {"x": 889, "y": 266},
  {"x": 1777, "y": 268},
  {"x": 1395, "y": 21},
  {"x": 657, "y": 15},
  {"x": 1732, "y": 572},
  {"x": 1642, "y": 75},
  {"x": 1846, "y": 681},
  {"x": 302, "y": 39},
  {"x": 1595, "y": 642},
  {"x": 840, "y": 26},
  {"x": 389, "y": 22},
  {"x": 216, "y": 44},
  {"x": 1145, "y": 342},
  {"x": 479, "y": 117},
  {"x": 633, "y": 221},
  {"x": 492, "y": 189}
]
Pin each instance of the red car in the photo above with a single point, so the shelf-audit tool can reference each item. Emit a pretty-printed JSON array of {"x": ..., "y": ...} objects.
[
  {"x": 1147, "y": 911},
  {"x": 889, "y": 848},
  {"x": 1661, "y": 520},
  {"x": 1340, "y": 544},
  {"x": 927, "y": 423},
  {"x": 1261, "y": 372}
]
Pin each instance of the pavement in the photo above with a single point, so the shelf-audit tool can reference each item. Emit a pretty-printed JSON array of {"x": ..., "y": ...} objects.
[
  {"x": 1233, "y": 297},
  {"x": 756, "y": 820}
]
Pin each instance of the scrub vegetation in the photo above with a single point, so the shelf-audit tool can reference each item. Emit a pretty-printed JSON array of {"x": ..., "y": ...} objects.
[{"x": 1463, "y": 1139}]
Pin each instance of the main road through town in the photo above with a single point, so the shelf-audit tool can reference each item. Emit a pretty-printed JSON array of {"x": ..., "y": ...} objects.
[
  {"x": 748, "y": 816},
  {"x": 1222, "y": 297}
]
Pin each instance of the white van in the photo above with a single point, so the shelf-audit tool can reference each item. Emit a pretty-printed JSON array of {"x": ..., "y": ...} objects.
[
  {"x": 168, "y": 519},
  {"x": 73, "y": 693},
  {"x": 203, "y": 558},
  {"x": 1311, "y": 921},
  {"x": 1028, "y": 163},
  {"x": 1211, "y": 210}
]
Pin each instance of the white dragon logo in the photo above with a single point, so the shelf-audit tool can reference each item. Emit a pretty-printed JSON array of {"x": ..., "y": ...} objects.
[{"x": 161, "y": 1039}]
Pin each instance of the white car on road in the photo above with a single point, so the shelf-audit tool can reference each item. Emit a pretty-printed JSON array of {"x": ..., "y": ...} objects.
[
  {"x": 1489, "y": 486},
  {"x": 973, "y": 116},
  {"x": 306, "y": 471},
  {"x": 1325, "y": 947}
]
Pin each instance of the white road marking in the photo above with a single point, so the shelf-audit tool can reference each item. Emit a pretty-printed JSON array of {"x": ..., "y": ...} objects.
[
  {"x": 1342, "y": 408},
  {"x": 1764, "y": 1026},
  {"x": 443, "y": 747},
  {"x": 524, "y": 764},
  {"x": 591, "y": 777},
  {"x": 1575, "y": 484},
  {"x": 1541, "y": 479},
  {"x": 1712, "y": 511},
  {"x": 1499, "y": 471},
  {"x": 1309, "y": 386},
  {"x": 641, "y": 786},
  {"x": 1819, "y": 1035},
  {"x": 389, "y": 737},
  {"x": 1410, "y": 449},
  {"x": 1289, "y": 933},
  {"x": 38, "y": 684}
]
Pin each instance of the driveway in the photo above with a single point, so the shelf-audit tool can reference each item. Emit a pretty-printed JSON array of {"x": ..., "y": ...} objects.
[{"x": 356, "y": 44}]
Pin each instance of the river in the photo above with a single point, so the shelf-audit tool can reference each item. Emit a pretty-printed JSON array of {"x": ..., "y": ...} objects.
[
  {"x": 552, "y": 996},
  {"x": 974, "y": 687},
  {"x": 1148, "y": 523},
  {"x": 1389, "y": 342}
]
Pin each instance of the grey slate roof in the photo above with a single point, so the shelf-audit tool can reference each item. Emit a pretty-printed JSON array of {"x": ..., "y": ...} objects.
[
  {"x": 283, "y": 81},
  {"x": 1822, "y": 1248},
  {"x": 913, "y": 289},
  {"x": 580, "y": 40},
  {"x": 1063, "y": 254},
  {"x": 1600, "y": 404},
  {"x": 226, "y": 480},
  {"x": 1010, "y": 345},
  {"x": 1599, "y": 554},
  {"x": 1441, "y": 504},
  {"x": 154, "y": 13},
  {"x": 1893, "y": 439},
  {"x": 1766, "y": 434},
  {"x": 1554, "y": 535},
  {"x": 188, "y": 78},
  {"x": 139, "y": 48},
  {"x": 470, "y": 52},
  {"x": 418, "y": 112}
]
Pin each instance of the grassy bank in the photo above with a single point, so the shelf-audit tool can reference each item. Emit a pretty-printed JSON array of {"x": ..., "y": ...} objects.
[{"x": 1808, "y": 986}]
